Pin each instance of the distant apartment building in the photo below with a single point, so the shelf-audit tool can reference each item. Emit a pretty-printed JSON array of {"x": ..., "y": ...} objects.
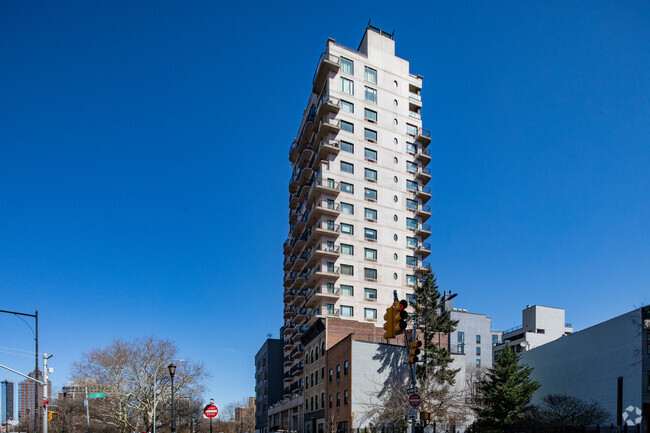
[
  {"x": 6, "y": 401},
  {"x": 268, "y": 381},
  {"x": 608, "y": 363},
  {"x": 27, "y": 389},
  {"x": 247, "y": 412},
  {"x": 473, "y": 339},
  {"x": 540, "y": 325}
]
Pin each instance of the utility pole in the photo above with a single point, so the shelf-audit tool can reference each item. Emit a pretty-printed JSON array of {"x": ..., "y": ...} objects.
[
  {"x": 46, "y": 400},
  {"x": 87, "y": 410}
]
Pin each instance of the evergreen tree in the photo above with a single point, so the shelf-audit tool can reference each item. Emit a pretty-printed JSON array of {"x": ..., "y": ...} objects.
[
  {"x": 437, "y": 359},
  {"x": 506, "y": 392}
]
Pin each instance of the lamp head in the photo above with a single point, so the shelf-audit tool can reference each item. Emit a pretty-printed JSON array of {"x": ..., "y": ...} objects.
[{"x": 172, "y": 369}]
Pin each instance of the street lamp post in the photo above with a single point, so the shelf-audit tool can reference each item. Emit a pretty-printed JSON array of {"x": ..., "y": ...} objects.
[
  {"x": 172, "y": 372},
  {"x": 155, "y": 374}
]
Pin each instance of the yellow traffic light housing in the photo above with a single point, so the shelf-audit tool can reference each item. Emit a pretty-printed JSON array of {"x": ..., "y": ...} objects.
[
  {"x": 399, "y": 317},
  {"x": 389, "y": 326},
  {"x": 425, "y": 417},
  {"x": 414, "y": 352},
  {"x": 52, "y": 416}
]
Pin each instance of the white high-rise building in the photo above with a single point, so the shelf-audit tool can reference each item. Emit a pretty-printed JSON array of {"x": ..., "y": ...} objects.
[{"x": 358, "y": 195}]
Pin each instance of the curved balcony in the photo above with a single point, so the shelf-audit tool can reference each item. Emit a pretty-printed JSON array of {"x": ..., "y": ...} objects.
[
  {"x": 424, "y": 174},
  {"x": 299, "y": 315},
  {"x": 299, "y": 243},
  {"x": 422, "y": 267},
  {"x": 323, "y": 251},
  {"x": 320, "y": 229},
  {"x": 321, "y": 293},
  {"x": 423, "y": 155},
  {"x": 313, "y": 315},
  {"x": 326, "y": 148},
  {"x": 288, "y": 262},
  {"x": 323, "y": 186},
  {"x": 423, "y": 136},
  {"x": 300, "y": 297},
  {"x": 324, "y": 208},
  {"x": 424, "y": 230},
  {"x": 288, "y": 295},
  {"x": 326, "y": 63},
  {"x": 293, "y": 151},
  {"x": 287, "y": 361},
  {"x": 288, "y": 311},
  {"x": 423, "y": 193},
  {"x": 300, "y": 261},
  {"x": 299, "y": 280},
  {"x": 327, "y": 126},
  {"x": 423, "y": 250},
  {"x": 327, "y": 105},
  {"x": 320, "y": 272},
  {"x": 288, "y": 279}
]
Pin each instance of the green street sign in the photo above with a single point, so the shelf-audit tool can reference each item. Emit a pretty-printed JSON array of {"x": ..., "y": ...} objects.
[{"x": 96, "y": 395}]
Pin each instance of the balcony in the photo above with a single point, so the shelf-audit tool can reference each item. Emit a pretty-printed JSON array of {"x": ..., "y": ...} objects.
[
  {"x": 288, "y": 279},
  {"x": 424, "y": 174},
  {"x": 327, "y": 105},
  {"x": 300, "y": 315},
  {"x": 288, "y": 295},
  {"x": 415, "y": 115},
  {"x": 423, "y": 193},
  {"x": 324, "y": 208},
  {"x": 294, "y": 180},
  {"x": 424, "y": 230},
  {"x": 297, "y": 352},
  {"x": 319, "y": 272},
  {"x": 296, "y": 369},
  {"x": 323, "y": 186},
  {"x": 423, "y": 136},
  {"x": 299, "y": 243},
  {"x": 326, "y": 148},
  {"x": 320, "y": 229},
  {"x": 293, "y": 151},
  {"x": 321, "y": 293},
  {"x": 313, "y": 315},
  {"x": 327, "y": 126},
  {"x": 300, "y": 296},
  {"x": 305, "y": 156},
  {"x": 287, "y": 378},
  {"x": 300, "y": 261},
  {"x": 326, "y": 63},
  {"x": 424, "y": 155},
  {"x": 423, "y": 250},
  {"x": 299, "y": 280},
  {"x": 423, "y": 211},
  {"x": 323, "y": 251},
  {"x": 287, "y": 361},
  {"x": 288, "y": 311},
  {"x": 422, "y": 267},
  {"x": 288, "y": 262}
]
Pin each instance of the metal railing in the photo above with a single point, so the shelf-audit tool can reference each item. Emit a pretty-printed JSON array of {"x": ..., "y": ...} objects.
[{"x": 324, "y": 57}]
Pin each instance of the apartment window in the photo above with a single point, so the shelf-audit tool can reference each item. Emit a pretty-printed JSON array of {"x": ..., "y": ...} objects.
[
  {"x": 370, "y": 313},
  {"x": 347, "y": 311},
  {"x": 347, "y": 187},
  {"x": 370, "y": 234},
  {"x": 461, "y": 349},
  {"x": 411, "y": 167},
  {"x": 331, "y": 375},
  {"x": 322, "y": 399},
  {"x": 410, "y": 298},
  {"x": 370, "y": 274},
  {"x": 411, "y": 148},
  {"x": 330, "y": 308},
  {"x": 478, "y": 362},
  {"x": 338, "y": 400},
  {"x": 371, "y": 94},
  {"x": 347, "y": 229},
  {"x": 370, "y": 194},
  {"x": 411, "y": 204},
  {"x": 347, "y": 270},
  {"x": 370, "y": 254},
  {"x": 411, "y": 129},
  {"x": 338, "y": 372},
  {"x": 370, "y": 214},
  {"x": 370, "y": 115},
  {"x": 345, "y": 397},
  {"x": 411, "y": 261},
  {"x": 316, "y": 360},
  {"x": 411, "y": 223},
  {"x": 346, "y": 167},
  {"x": 478, "y": 351},
  {"x": 347, "y": 86},
  {"x": 370, "y": 135},
  {"x": 370, "y": 75},
  {"x": 495, "y": 340},
  {"x": 347, "y": 147},
  {"x": 347, "y": 66},
  {"x": 330, "y": 400},
  {"x": 312, "y": 403},
  {"x": 411, "y": 186},
  {"x": 370, "y": 175},
  {"x": 411, "y": 280},
  {"x": 370, "y": 293},
  {"x": 347, "y": 290},
  {"x": 347, "y": 208},
  {"x": 347, "y": 126},
  {"x": 329, "y": 225},
  {"x": 411, "y": 242},
  {"x": 461, "y": 337},
  {"x": 478, "y": 339},
  {"x": 347, "y": 106},
  {"x": 370, "y": 154},
  {"x": 346, "y": 249},
  {"x": 312, "y": 377}
]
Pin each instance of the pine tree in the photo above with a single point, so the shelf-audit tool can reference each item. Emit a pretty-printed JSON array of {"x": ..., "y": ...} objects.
[
  {"x": 437, "y": 359},
  {"x": 506, "y": 392}
]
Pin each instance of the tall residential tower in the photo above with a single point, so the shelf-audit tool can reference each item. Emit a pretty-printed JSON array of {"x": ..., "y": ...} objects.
[{"x": 357, "y": 194}]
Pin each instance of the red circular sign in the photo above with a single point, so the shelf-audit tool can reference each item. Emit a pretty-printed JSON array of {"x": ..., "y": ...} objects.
[
  {"x": 414, "y": 400},
  {"x": 210, "y": 410}
]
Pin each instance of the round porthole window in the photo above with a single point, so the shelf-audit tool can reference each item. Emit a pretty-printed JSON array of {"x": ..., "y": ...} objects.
[
  {"x": 395, "y": 198},
  {"x": 395, "y": 276},
  {"x": 395, "y": 160},
  {"x": 395, "y": 141},
  {"x": 395, "y": 122},
  {"x": 395, "y": 102},
  {"x": 395, "y": 179},
  {"x": 395, "y": 256},
  {"x": 395, "y": 236},
  {"x": 395, "y": 218},
  {"x": 395, "y": 83}
]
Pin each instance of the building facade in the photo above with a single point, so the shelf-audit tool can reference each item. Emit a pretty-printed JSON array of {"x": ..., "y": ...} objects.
[
  {"x": 27, "y": 389},
  {"x": 473, "y": 339},
  {"x": 268, "y": 381},
  {"x": 6, "y": 401}
]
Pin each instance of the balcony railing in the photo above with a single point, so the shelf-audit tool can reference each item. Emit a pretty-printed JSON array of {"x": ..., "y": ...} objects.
[
  {"x": 326, "y": 63},
  {"x": 415, "y": 115},
  {"x": 415, "y": 96},
  {"x": 423, "y": 136}
]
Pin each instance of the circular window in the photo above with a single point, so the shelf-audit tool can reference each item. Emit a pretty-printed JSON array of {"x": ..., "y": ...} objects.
[
  {"x": 395, "y": 122},
  {"x": 395, "y": 218},
  {"x": 395, "y": 276},
  {"x": 395, "y": 102},
  {"x": 395, "y": 83},
  {"x": 395, "y": 198},
  {"x": 395, "y": 237},
  {"x": 395, "y": 256},
  {"x": 395, "y": 141},
  {"x": 395, "y": 160},
  {"x": 395, "y": 179}
]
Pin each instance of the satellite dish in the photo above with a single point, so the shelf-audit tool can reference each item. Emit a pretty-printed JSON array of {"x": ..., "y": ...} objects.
[{"x": 524, "y": 344}]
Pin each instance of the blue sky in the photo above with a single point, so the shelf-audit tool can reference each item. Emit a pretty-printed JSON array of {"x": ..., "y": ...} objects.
[{"x": 144, "y": 163}]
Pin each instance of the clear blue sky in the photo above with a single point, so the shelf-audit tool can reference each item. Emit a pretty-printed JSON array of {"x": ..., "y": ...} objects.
[{"x": 144, "y": 163}]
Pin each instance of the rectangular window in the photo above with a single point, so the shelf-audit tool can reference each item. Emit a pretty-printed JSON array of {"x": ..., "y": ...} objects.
[
  {"x": 347, "y": 106},
  {"x": 347, "y": 66},
  {"x": 478, "y": 351},
  {"x": 411, "y": 167},
  {"x": 347, "y": 126},
  {"x": 370, "y": 234},
  {"x": 371, "y": 95},
  {"x": 370, "y": 155},
  {"x": 346, "y": 396},
  {"x": 411, "y": 186},
  {"x": 411, "y": 261},
  {"x": 346, "y": 367},
  {"x": 478, "y": 362},
  {"x": 370, "y": 254},
  {"x": 495, "y": 339},
  {"x": 411, "y": 204},
  {"x": 347, "y": 147},
  {"x": 370, "y": 135},
  {"x": 346, "y": 167},
  {"x": 347, "y": 270},
  {"x": 411, "y": 223},
  {"x": 411, "y": 242},
  {"x": 330, "y": 403},
  {"x": 370, "y": 313},
  {"x": 370, "y": 293},
  {"x": 347, "y": 187},
  {"x": 370, "y": 175},
  {"x": 346, "y": 249},
  {"x": 331, "y": 376},
  {"x": 347, "y": 86},
  {"x": 461, "y": 337},
  {"x": 370, "y": 274},
  {"x": 329, "y": 225},
  {"x": 370, "y": 75},
  {"x": 347, "y": 229},
  {"x": 370, "y": 115},
  {"x": 370, "y": 214},
  {"x": 478, "y": 339},
  {"x": 347, "y": 208},
  {"x": 338, "y": 400},
  {"x": 411, "y": 129},
  {"x": 410, "y": 298},
  {"x": 411, "y": 148},
  {"x": 347, "y": 311},
  {"x": 347, "y": 290},
  {"x": 370, "y": 194},
  {"x": 411, "y": 280}
]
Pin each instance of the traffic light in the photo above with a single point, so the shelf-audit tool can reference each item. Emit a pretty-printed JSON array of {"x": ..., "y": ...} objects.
[
  {"x": 425, "y": 417},
  {"x": 52, "y": 416},
  {"x": 389, "y": 323},
  {"x": 395, "y": 319},
  {"x": 414, "y": 352}
]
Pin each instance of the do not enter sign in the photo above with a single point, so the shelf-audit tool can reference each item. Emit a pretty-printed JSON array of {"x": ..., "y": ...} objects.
[
  {"x": 414, "y": 400},
  {"x": 210, "y": 410}
]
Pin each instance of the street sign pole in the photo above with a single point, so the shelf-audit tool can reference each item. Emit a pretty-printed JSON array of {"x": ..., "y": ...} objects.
[
  {"x": 87, "y": 410},
  {"x": 211, "y": 402}
]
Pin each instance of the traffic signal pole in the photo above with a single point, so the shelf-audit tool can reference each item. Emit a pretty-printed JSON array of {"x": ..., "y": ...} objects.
[{"x": 45, "y": 399}]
